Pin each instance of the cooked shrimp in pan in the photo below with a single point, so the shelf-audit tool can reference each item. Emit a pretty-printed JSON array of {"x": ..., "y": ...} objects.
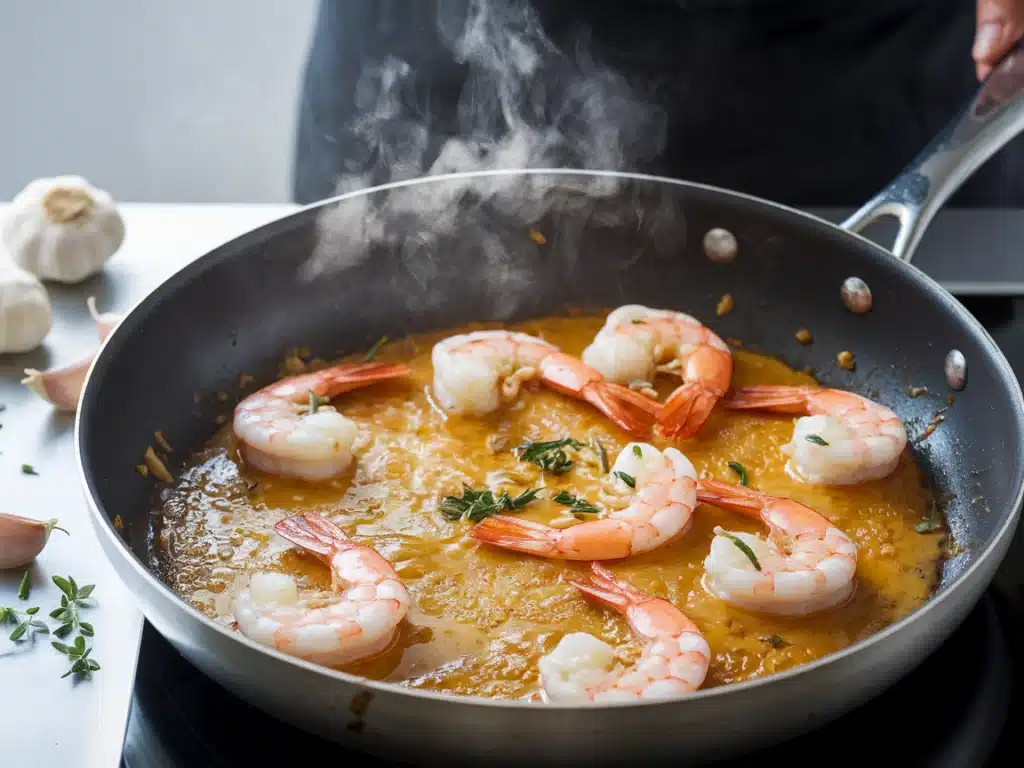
[
  {"x": 357, "y": 618},
  {"x": 663, "y": 486},
  {"x": 674, "y": 660},
  {"x": 474, "y": 373},
  {"x": 288, "y": 428},
  {"x": 806, "y": 565},
  {"x": 840, "y": 438},
  {"x": 636, "y": 342}
]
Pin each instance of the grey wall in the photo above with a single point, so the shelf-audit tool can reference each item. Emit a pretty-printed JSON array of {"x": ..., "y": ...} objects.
[{"x": 185, "y": 101}]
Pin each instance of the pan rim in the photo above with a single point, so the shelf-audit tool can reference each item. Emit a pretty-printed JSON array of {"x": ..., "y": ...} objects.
[{"x": 104, "y": 526}]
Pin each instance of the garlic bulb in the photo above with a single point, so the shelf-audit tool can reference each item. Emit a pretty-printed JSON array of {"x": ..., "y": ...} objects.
[
  {"x": 25, "y": 312},
  {"x": 62, "y": 387},
  {"x": 22, "y": 538},
  {"x": 62, "y": 229}
]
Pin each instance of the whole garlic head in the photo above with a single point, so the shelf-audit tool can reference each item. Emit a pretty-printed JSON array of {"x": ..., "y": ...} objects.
[
  {"x": 62, "y": 229},
  {"x": 25, "y": 312}
]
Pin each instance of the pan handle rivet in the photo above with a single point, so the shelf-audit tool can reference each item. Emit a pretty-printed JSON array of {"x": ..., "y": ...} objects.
[
  {"x": 956, "y": 369},
  {"x": 856, "y": 295},
  {"x": 720, "y": 245}
]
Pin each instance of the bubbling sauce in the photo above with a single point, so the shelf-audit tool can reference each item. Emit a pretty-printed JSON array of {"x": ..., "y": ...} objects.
[{"x": 482, "y": 617}]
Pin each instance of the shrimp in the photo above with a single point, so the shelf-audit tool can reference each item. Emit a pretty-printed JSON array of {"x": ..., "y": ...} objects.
[
  {"x": 475, "y": 372},
  {"x": 636, "y": 342},
  {"x": 358, "y": 618},
  {"x": 840, "y": 438},
  {"x": 806, "y": 565},
  {"x": 285, "y": 429},
  {"x": 664, "y": 486},
  {"x": 674, "y": 660}
]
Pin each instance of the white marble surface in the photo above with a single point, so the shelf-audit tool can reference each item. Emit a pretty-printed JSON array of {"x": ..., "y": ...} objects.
[{"x": 49, "y": 721}]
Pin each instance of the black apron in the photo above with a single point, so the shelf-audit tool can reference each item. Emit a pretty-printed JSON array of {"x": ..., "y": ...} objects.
[{"x": 807, "y": 103}]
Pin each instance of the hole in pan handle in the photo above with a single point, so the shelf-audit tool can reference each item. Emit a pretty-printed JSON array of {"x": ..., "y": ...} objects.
[{"x": 993, "y": 117}]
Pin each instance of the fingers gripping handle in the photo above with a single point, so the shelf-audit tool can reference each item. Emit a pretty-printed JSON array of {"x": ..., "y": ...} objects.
[{"x": 993, "y": 117}]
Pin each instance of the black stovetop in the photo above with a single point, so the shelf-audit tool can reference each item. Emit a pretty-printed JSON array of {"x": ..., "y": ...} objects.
[{"x": 961, "y": 707}]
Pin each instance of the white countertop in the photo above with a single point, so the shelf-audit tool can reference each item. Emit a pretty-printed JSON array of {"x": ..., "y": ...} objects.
[{"x": 49, "y": 721}]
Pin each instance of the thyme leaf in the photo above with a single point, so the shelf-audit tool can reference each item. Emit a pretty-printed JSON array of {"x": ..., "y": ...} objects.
[
  {"x": 549, "y": 455},
  {"x": 315, "y": 401},
  {"x": 738, "y": 468},
  {"x": 816, "y": 439},
  {"x": 576, "y": 505},
  {"x": 627, "y": 479},
  {"x": 740, "y": 545},
  {"x": 476, "y": 505},
  {"x": 372, "y": 353}
]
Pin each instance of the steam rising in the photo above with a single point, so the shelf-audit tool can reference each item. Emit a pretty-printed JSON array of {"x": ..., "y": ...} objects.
[{"x": 524, "y": 104}]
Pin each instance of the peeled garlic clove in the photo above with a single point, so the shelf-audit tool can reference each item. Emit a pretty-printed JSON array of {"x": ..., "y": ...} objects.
[
  {"x": 22, "y": 539},
  {"x": 105, "y": 321}
]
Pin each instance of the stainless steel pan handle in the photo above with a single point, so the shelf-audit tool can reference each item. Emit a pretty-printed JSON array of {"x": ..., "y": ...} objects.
[{"x": 992, "y": 117}]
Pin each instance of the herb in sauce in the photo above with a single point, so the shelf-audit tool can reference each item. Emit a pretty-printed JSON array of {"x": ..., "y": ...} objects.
[
  {"x": 576, "y": 505},
  {"x": 375, "y": 349},
  {"x": 476, "y": 505},
  {"x": 549, "y": 455},
  {"x": 627, "y": 479},
  {"x": 736, "y": 467},
  {"x": 775, "y": 641},
  {"x": 637, "y": 452},
  {"x": 602, "y": 455},
  {"x": 315, "y": 401},
  {"x": 816, "y": 439},
  {"x": 740, "y": 545}
]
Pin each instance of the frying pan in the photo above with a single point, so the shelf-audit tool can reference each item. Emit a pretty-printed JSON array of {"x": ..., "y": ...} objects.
[{"x": 436, "y": 252}]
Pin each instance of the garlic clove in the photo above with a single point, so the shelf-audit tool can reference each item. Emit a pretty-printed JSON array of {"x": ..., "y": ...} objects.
[
  {"x": 62, "y": 228},
  {"x": 105, "y": 321},
  {"x": 22, "y": 539},
  {"x": 26, "y": 315},
  {"x": 62, "y": 387}
]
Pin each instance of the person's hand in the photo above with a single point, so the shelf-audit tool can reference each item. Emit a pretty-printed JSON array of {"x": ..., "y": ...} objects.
[{"x": 1000, "y": 25}]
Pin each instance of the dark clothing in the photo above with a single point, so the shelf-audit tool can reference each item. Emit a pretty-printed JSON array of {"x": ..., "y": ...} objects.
[{"x": 807, "y": 103}]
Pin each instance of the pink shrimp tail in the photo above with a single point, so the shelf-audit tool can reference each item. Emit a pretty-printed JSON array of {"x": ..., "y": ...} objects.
[
  {"x": 315, "y": 534},
  {"x": 518, "y": 535},
  {"x": 771, "y": 397},
  {"x": 685, "y": 411},
  {"x": 632, "y": 412},
  {"x": 345, "y": 378},
  {"x": 736, "y": 498},
  {"x": 601, "y": 586},
  {"x": 708, "y": 376}
]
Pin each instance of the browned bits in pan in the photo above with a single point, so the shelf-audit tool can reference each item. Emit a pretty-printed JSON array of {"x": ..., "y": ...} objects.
[
  {"x": 804, "y": 336},
  {"x": 156, "y": 467},
  {"x": 245, "y": 380},
  {"x": 725, "y": 305},
  {"x": 846, "y": 361},
  {"x": 538, "y": 237},
  {"x": 732, "y": 342},
  {"x": 162, "y": 442}
]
